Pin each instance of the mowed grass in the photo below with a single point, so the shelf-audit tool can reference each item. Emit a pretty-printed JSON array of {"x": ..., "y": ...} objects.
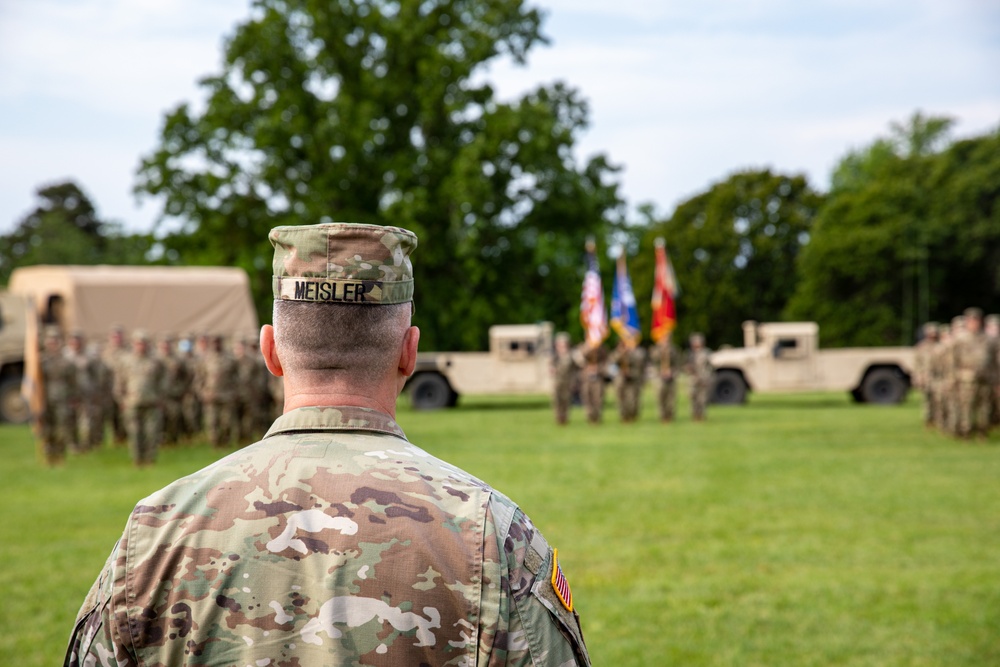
[{"x": 795, "y": 530}]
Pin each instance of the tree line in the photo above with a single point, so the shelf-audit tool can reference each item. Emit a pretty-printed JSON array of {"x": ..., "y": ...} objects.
[{"x": 377, "y": 111}]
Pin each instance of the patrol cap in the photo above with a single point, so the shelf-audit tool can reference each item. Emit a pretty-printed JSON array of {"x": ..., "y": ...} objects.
[
  {"x": 973, "y": 313},
  {"x": 992, "y": 318},
  {"x": 140, "y": 336},
  {"x": 342, "y": 262}
]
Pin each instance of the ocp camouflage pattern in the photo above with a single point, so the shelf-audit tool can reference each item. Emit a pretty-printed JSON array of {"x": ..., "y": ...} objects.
[
  {"x": 333, "y": 541},
  {"x": 343, "y": 262}
]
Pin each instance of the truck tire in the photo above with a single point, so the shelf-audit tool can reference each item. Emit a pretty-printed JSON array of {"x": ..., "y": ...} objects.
[
  {"x": 884, "y": 386},
  {"x": 430, "y": 391},
  {"x": 13, "y": 407},
  {"x": 729, "y": 388}
]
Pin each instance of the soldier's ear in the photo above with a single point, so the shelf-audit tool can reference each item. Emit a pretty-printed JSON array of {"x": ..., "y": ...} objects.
[
  {"x": 408, "y": 352},
  {"x": 268, "y": 351}
]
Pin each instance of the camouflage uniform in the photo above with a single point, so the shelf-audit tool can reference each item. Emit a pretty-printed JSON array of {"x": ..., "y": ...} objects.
[
  {"x": 333, "y": 541},
  {"x": 245, "y": 394},
  {"x": 971, "y": 368},
  {"x": 59, "y": 382},
  {"x": 143, "y": 388},
  {"x": 992, "y": 328},
  {"x": 102, "y": 400},
  {"x": 922, "y": 369},
  {"x": 564, "y": 369},
  {"x": 592, "y": 382},
  {"x": 631, "y": 363},
  {"x": 176, "y": 381},
  {"x": 216, "y": 385},
  {"x": 943, "y": 372},
  {"x": 667, "y": 359},
  {"x": 115, "y": 355},
  {"x": 81, "y": 404},
  {"x": 699, "y": 366}
]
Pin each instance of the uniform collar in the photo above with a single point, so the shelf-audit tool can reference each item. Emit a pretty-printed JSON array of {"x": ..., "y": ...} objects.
[{"x": 335, "y": 418}]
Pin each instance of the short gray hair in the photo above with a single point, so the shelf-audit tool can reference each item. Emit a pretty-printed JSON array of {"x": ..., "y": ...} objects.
[{"x": 358, "y": 342}]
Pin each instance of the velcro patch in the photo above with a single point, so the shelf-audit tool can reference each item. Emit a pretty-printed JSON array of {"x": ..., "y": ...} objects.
[{"x": 559, "y": 583}]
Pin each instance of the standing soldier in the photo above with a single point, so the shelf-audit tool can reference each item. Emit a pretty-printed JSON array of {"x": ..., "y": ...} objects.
[
  {"x": 699, "y": 367},
  {"x": 595, "y": 359},
  {"x": 564, "y": 374},
  {"x": 143, "y": 388},
  {"x": 264, "y": 408},
  {"x": 941, "y": 378},
  {"x": 631, "y": 361},
  {"x": 667, "y": 361},
  {"x": 217, "y": 383},
  {"x": 83, "y": 415},
  {"x": 115, "y": 355},
  {"x": 922, "y": 369},
  {"x": 175, "y": 384},
  {"x": 971, "y": 367},
  {"x": 190, "y": 402},
  {"x": 992, "y": 328},
  {"x": 103, "y": 396},
  {"x": 59, "y": 382},
  {"x": 245, "y": 397}
]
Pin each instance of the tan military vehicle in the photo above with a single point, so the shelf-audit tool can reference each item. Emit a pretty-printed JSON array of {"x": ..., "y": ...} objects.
[
  {"x": 785, "y": 357},
  {"x": 92, "y": 299},
  {"x": 518, "y": 362},
  {"x": 13, "y": 320}
]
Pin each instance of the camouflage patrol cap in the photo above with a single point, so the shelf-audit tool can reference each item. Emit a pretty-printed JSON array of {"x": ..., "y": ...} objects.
[
  {"x": 992, "y": 318},
  {"x": 140, "y": 336},
  {"x": 343, "y": 262}
]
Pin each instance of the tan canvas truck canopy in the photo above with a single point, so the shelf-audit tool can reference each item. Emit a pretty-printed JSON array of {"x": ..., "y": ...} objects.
[{"x": 159, "y": 299}]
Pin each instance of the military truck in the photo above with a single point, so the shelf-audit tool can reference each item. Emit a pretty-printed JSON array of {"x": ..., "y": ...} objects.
[
  {"x": 518, "y": 362},
  {"x": 92, "y": 299},
  {"x": 785, "y": 357},
  {"x": 13, "y": 321}
]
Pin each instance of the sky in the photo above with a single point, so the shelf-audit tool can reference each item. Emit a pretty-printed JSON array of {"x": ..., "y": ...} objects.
[{"x": 681, "y": 93}]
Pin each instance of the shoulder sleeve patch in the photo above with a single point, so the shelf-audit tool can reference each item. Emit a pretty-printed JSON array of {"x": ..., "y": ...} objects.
[{"x": 559, "y": 583}]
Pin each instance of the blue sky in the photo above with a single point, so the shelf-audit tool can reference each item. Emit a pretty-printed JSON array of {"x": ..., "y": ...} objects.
[{"x": 681, "y": 94}]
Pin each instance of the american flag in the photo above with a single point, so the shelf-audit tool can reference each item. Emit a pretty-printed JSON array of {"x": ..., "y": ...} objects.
[
  {"x": 560, "y": 584},
  {"x": 593, "y": 317},
  {"x": 665, "y": 291}
]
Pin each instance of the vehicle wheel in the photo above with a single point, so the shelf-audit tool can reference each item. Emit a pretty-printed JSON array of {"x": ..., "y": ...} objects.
[
  {"x": 884, "y": 386},
  {"x": 729, "y": 388},
  {"x": 13, "y": 407},
  {"x": 430, "y": 391}
]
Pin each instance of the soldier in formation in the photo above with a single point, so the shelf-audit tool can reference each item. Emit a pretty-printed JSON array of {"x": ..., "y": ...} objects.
[
  {"x": 55, "y": 424},
  {"x": 959, "y": 374},
  {"x": 699, "y": 367},
  {"x": 564, "y": 373},
  {"x": 143, "y": 390},
  {"x": 594, "y": 364},
  {"x": 666, "y": 360},
  {"x": 631, "y": 361}
]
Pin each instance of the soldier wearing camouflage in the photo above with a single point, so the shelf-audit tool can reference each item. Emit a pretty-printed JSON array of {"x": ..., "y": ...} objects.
[
  {"x": 59, "y": 386},
  {"x": 991, "y": 326},
  {"x": 81, "y": 403},
  {"x": 667, "y": 361},
  {"x": 564, "y": 369},
  {"x": 631, "y": 362},
  {"x": 333, "y": 540},
  {"x": 971, "y": 368},
  {"x": 216, "y": 383},
  {"x": 143, "y": 388},
  {"x": 176, "y": 382},
  {"x": 115, "y": 355},
  {"x": 592, "y": 381},
  {"x": 922, "y": 369},
  {"x": 699, "y": 367}
]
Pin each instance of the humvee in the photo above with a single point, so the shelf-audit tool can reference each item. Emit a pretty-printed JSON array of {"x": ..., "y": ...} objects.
[
  {"x": 13, "y": 322},
  {"x": 785, "y": 356},
  {"x": 518, "y": 362}
]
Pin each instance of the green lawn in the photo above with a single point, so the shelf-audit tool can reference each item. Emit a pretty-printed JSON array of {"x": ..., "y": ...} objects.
[{"x": 799, "y": 530}]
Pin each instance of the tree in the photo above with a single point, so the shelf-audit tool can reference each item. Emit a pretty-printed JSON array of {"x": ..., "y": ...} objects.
[
  {"x": 375, "y": 111},
  {"x": 733, "y": 249},
  {"x": 909, "y": 232},
  {"x": 65, "y": 229}
]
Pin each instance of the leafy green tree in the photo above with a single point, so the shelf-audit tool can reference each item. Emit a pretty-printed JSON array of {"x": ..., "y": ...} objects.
[
  {"x": 65, "y": 229},
  {"x": 733, "y": 249},
  {"x": 376, "y": 111},
  {"x": 909, "y": 232}
]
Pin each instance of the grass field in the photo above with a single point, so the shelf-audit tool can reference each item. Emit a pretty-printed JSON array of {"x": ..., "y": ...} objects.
[{"x": 799, "y": 530}]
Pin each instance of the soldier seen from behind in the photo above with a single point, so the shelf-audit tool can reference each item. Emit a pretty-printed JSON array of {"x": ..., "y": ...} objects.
[{"x": 332, "y": 541}]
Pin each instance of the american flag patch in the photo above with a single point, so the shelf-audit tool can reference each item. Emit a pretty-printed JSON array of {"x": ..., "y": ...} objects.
[{"x": 559, "y": 583}]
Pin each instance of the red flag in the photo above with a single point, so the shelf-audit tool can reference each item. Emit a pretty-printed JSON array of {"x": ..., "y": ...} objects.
[{"x": 664, "y": 292}]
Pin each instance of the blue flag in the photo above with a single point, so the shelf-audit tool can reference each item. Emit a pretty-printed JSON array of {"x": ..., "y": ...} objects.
[{"x": 624, "y": 314}]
